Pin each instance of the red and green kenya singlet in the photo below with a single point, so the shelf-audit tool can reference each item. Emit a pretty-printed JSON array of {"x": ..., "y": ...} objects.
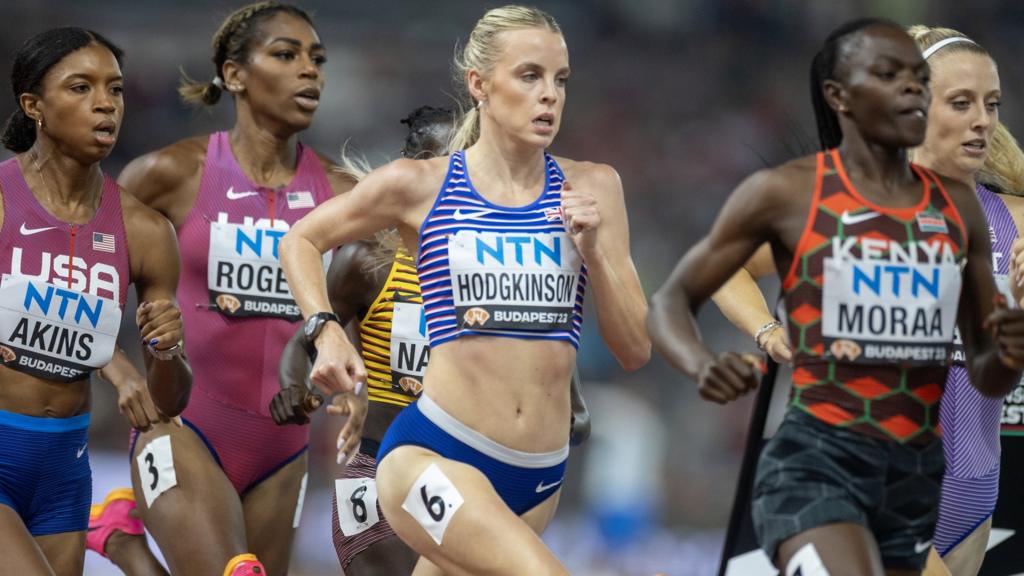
[{"x": 871, "y": 300}]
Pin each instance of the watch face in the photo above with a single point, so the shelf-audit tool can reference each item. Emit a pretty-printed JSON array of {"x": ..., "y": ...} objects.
[{"x": 309, "y": 328}]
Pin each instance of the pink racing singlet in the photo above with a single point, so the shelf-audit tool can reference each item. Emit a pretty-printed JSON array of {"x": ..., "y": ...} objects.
[
  {"x": 236, "y": 305},
  {"x": 63, "y": 285}
]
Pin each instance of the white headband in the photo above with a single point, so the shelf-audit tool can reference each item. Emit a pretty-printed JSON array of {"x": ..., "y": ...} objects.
[{"x": 939, "y": 45}]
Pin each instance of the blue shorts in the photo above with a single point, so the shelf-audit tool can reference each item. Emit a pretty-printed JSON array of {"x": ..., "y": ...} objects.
[
  {"x": 522, "y": 479},
  {"x": 44, "y": 471}
]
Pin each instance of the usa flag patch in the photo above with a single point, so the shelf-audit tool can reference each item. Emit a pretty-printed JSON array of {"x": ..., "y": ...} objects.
[
  {"x": 552, "y": 214},
  {"x": 299, "y": 200},
  {"x": 103, "y": 242}
]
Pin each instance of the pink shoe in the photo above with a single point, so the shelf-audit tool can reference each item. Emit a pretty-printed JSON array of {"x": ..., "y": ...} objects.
[
  {"x": 112, "y": 515},
  {"x": 245, "y": 565}
]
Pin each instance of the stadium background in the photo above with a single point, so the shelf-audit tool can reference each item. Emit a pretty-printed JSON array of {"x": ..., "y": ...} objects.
[{"x": 682, "y": 97}]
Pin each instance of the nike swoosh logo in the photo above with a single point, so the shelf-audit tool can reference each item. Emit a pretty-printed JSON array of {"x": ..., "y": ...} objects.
[
  {"x": 232, "y": 195},
  {"x": 851, "y": 219},
  {"x": 81, "y": 451},
  {"x": 30, "y": 231},
  {"x": 542, "y": 487},
  {"x": 920, "y": 547},
  {"x": 460, "y": 215}
]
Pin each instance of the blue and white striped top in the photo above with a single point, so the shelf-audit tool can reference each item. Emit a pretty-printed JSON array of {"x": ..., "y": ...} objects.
[{"x": 498, "y": 271}]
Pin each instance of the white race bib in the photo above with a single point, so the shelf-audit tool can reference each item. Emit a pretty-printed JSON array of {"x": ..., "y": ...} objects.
[
  {"x": 410, "y": 350},
  {"x": 244, "y": 273},
  {"x": 877, "y": 311},
  {"x": 156, "y": 469},
  {"x": 357, "y": 504},
  {"x": 432, "y": 501},
  {"x": 53, "y": 332},
  {"x": 505, "y": 280},
  {"x": 959, "y": 355}
]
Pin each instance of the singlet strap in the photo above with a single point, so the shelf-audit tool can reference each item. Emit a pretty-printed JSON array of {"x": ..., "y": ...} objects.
[{"x": 801, "y": 245}]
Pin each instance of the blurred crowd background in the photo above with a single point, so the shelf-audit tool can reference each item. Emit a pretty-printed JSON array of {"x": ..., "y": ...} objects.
[{"x": 683, "y": 97}]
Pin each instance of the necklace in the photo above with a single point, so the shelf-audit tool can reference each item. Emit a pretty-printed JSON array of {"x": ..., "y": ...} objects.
[{"x": 53, "y": 198}]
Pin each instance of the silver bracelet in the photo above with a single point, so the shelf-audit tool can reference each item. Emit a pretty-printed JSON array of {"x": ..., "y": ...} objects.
[
  {"x": 767, "y": 328},
  {"x": 165, "y": 354}
]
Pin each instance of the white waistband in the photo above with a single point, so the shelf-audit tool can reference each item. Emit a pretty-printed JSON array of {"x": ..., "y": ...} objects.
[{"x": 478, "y": 441}]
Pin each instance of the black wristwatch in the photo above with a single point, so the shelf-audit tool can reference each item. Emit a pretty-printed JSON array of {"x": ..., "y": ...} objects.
[{"x": 312, "y": 328}]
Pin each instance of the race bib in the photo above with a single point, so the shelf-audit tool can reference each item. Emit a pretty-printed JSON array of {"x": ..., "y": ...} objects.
[
  {"x": 357, "y": 504},
  {"x": 504, "y": 280},
  {"x": 1012, "y": 423},
  {"x": 55, "y": 333},
  {"x": 959, "y": 356},
  {"x": 878, "y": 311},
  {"x": 410, "y": 350},
  {"x": 244, "y": 273}
]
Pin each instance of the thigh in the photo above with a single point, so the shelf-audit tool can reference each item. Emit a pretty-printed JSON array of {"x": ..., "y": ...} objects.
[
  {"x": 966, "y": 557},
  {"x": 385, "y": 557},
  {"x": 478, "y": 533},
  {"x": 64, "y": 552},
  {"x": 845, "y": 549},
  {"x": 904, "y": 523},
  {"x": 935, "y": 566},
  {"x": 271, "y": 514},
  {"x": 198, "y": 523},
  {"x": 538, "y": 517},
  {"x": 20, "y": 552}
]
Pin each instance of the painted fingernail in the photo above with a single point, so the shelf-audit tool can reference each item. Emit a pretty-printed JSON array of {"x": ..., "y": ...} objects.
[
  {"x": 153, "y": 342},
  {"x": 359, "y": 387},
  {"x": 340, "y": 456},
  {"x": 341, "y": 442}
]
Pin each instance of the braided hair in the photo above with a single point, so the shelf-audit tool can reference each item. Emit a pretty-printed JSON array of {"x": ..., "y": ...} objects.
[
  {"x": 823, "y": 68},
  {"x": 233, "y": 41}
]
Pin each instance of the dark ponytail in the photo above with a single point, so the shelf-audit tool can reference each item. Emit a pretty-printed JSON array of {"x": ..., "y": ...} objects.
[
  {"x": 823, "y": 67},
  {"x": 19, "y": 132},
  {"x": 33, "y": 60}
]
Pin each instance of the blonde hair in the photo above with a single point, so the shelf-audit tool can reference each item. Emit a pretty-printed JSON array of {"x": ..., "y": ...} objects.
[
  {"x": 480, "y": 53},
  {"x": 1004, "y": 164},
  {"x": 233, "y": 41}
]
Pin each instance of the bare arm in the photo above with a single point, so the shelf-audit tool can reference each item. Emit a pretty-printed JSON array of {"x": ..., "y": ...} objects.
[
  {"x": 743, "y": 304},
  {"x": 155, "y": 270},
  {"x": 595, "y": 215},
  {"x": 385, "y": 198},
  {"x": 349, "y": 287},
  {"x": 133, "y": 398},
  {"x": 744, "y": 224},
  {"x": 167, "y": 180}
]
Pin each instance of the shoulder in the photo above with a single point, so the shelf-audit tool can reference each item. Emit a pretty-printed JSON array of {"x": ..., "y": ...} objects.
[
  {"x": 413, "y": 178},
  {"x": 173, "y": 163},
  {"x": 1015, "y": 206},
  {"x": 594, "y": 176},
  {"x": 340, "y": 180},
  {"x": 957, "y": 190},
  {"x": 780, "y": 183}
]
